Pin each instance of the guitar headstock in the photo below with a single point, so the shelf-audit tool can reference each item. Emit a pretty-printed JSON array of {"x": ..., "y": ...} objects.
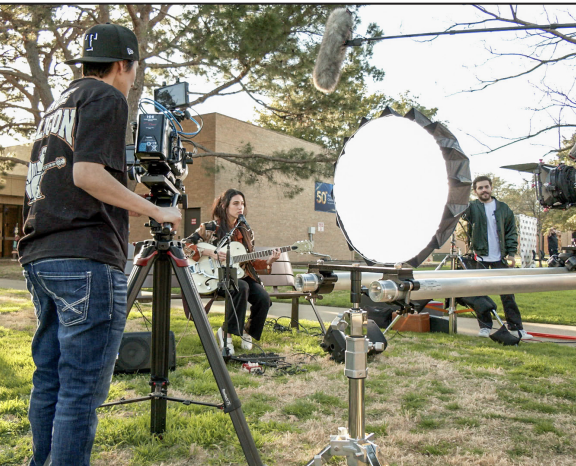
[{"x": 302, "y": 247}]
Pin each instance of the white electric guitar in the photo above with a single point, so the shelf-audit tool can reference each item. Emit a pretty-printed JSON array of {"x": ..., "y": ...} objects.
[{"x": 205, "y": 271}]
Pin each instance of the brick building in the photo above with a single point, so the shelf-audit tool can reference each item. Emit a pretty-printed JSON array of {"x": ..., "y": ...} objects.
[
  {"x": 12, "y": 198},
  {"x": 277, "y": 220}
]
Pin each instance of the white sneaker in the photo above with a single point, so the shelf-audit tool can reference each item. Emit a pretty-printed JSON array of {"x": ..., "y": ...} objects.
[
  {"x": 246, "y": 342},
  {"x": 524, "y": 335},
  {"x": 484, "y": 332},
  {"x": 229, "y": 344}
]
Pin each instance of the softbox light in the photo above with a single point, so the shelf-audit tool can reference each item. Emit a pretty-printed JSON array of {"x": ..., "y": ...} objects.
[{"x": 400, "y": 186}]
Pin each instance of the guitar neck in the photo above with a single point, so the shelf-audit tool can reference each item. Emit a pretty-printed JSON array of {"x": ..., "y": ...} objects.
[{"x": 259, "y": 254}]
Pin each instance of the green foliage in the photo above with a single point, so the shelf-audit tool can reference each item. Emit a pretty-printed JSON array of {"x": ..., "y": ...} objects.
[
  {"x": 264, "y": 50},
  {"x": 5, "y": 167}
]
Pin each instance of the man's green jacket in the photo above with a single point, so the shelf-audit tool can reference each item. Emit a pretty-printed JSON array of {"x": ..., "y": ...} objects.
[{"x": 478, "y": 228}]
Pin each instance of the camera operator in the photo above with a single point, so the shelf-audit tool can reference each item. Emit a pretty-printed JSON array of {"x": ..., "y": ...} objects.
[
  {"x": 493, "y": 236},
  {"x": 75, "y": 246}
]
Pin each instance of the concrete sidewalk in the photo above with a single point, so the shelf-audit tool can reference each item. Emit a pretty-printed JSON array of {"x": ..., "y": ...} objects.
[{"x": 466, "y": 326}]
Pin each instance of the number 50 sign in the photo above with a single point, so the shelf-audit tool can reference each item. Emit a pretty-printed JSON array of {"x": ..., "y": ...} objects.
[{"x": 323, "y": 200}]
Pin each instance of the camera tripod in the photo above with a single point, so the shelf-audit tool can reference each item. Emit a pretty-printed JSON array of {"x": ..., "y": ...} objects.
[{"x": 166, "y": 255}]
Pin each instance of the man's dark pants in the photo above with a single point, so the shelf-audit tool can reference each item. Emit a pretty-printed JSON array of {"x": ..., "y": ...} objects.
[{"x": 511, "y": 310}]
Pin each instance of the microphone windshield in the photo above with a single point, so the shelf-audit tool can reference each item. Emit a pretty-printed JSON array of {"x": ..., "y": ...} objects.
[{"x": 332, "y": 50}]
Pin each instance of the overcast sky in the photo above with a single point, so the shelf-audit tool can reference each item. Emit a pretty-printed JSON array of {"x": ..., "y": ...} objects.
[{"x": 437, "y": 72}]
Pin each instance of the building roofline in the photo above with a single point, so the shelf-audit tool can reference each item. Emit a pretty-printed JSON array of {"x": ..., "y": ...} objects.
[{"x": 262, "y": 128}]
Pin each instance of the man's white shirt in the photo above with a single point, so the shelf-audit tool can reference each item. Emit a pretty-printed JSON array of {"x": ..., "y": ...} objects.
[{"x": 494, "y": 253}]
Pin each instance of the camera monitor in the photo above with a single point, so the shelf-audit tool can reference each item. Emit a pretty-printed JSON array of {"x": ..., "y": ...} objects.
[{"x": 173, "y": 96}]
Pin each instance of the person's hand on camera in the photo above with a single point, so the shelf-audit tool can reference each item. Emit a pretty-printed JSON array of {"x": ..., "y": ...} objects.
[
  {"x": 169, "y": 215},
  {"x": 512, "y": 259}
]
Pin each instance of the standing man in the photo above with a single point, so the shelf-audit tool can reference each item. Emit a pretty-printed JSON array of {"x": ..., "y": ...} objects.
[
  {"x": 74, "y": 246},
  {"x": 552, "y": 241},
  {"x": 493, "y": 237}
]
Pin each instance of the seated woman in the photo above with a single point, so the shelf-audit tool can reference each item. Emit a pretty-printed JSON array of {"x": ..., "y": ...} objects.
[{"x": 225, "y": 212}]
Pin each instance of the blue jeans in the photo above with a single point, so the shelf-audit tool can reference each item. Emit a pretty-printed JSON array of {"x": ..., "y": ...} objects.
[{"x": 80, "y": 305}]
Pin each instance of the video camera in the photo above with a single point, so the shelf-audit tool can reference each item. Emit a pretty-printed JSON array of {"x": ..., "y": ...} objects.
[
  {"x": 158, "y": 158},
  {"x": 555, "y": 185},
  {"x": 555, "y": 189}
]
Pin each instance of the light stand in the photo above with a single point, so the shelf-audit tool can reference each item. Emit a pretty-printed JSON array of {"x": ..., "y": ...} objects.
[{"x": 352, "y": 442}]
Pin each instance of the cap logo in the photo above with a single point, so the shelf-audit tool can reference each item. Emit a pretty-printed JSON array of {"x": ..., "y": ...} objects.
[
  {"x": 90, "y": 38},
  {"x": 130, "y": 51}
]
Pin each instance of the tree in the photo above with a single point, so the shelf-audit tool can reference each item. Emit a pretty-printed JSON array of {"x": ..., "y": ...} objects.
[
  {"x": 550, "y": 52},
  {"x": 265, "y": 51}
]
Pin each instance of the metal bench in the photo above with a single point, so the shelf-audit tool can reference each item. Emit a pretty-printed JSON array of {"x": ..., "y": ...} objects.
[{"x": 281, "y": 274}]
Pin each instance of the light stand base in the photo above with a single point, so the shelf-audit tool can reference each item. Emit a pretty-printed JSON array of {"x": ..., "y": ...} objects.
[{"x": 359, "y": 452}]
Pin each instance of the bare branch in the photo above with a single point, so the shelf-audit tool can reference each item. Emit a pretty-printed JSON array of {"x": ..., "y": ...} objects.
[
  {"x": 318, "y": 158},
  {"x": 226, "y": 85},
  {"x": 13, "y": 159},
  {"x": 534, "y": 68},
  {"x": 530, "y": 136}
]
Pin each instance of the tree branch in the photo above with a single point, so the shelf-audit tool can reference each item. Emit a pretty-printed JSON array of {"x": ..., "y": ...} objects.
[
  {"x": 13, "y": 159},
  {"x": 208, "y": 153}
]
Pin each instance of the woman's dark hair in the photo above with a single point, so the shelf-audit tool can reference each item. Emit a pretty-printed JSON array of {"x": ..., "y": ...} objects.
[
  {"x": 220, "y": 206},
  {"x": 101, "y": 70}
]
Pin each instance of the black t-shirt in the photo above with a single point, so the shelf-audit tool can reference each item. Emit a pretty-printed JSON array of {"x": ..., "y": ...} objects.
[{"x": 87, "y": 123}]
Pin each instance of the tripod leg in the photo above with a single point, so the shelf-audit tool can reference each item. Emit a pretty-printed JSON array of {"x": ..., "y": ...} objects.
[
  {"x": 322, "y": 457},
  {"x": 160, "y": 326},
  {"x": 229, "y": 397},
  {"x": 142, "y": 265},
  {"x": 160, "y": 351},
  {"x": 371, "y": 456}
]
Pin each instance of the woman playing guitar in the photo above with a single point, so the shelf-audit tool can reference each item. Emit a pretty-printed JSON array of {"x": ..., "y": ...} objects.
[{"x": 225, "y": 212}]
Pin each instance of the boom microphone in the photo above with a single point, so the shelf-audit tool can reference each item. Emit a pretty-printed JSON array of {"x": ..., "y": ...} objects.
[
  {"x": 332, "y": 50},
  {"x": 242, "y": 219}
]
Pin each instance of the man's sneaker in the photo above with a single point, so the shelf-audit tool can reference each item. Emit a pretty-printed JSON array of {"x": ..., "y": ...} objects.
[
  {"x": 524, "y": 335},
  {"x": 229, "y": 344},
  {"x": 246, "y": 342},
  {"x": 484, "y": 332}
]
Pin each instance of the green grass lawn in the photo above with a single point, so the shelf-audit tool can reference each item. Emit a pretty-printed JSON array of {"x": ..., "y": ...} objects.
[{"x": 431, "y": 399}]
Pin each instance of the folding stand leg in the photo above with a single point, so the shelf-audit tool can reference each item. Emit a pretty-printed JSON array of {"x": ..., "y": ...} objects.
[
  {"x": 230, "y": 398},
  {"x": 312, "y": 302},
  {"x": 497, "y": 317},
  {"x": 452, "y": 323}
]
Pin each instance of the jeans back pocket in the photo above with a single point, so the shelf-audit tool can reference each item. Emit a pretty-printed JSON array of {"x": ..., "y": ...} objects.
[{"x": 70, "y": 292}]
